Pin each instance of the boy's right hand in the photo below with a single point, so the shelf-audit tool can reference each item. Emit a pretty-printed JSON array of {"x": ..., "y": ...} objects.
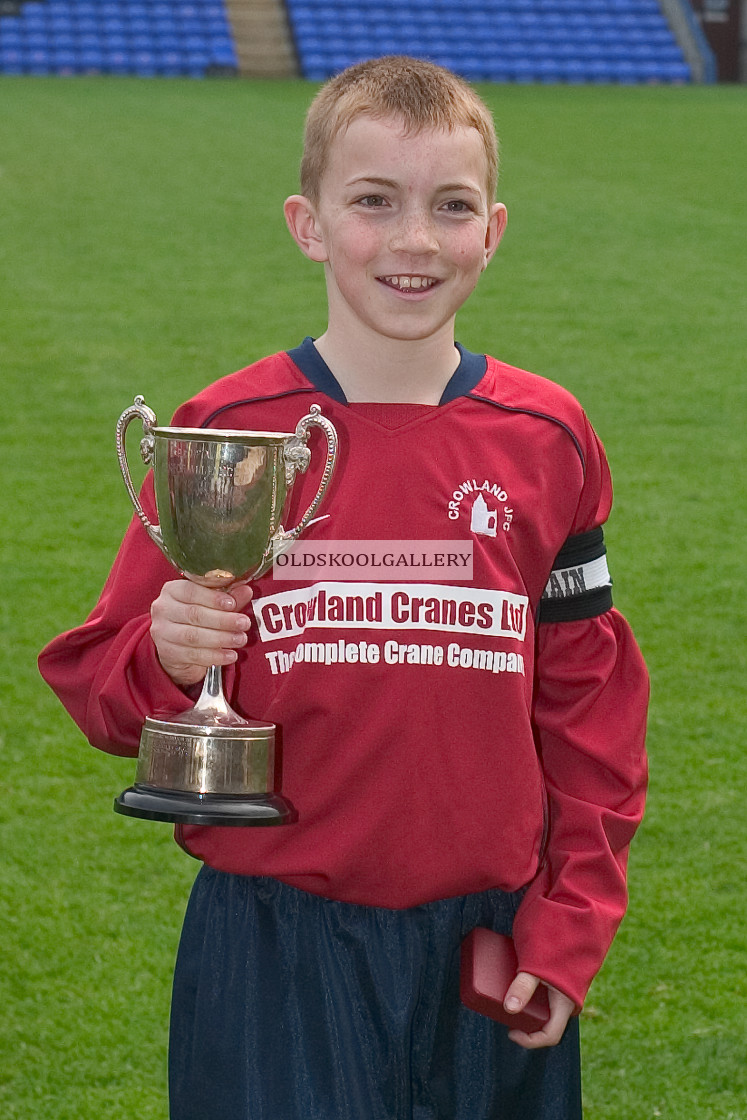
[{"x": 194, "y": 627}]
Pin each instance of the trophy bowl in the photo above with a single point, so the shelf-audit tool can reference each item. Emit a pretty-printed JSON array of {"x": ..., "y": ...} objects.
[{"x": 221, "y": 496}]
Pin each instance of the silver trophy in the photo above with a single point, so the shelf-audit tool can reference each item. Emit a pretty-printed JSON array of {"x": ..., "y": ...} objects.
[{"x": 221, "y": 497}]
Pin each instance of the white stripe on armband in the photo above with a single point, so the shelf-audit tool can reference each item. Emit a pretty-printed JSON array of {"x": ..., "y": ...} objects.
[{"x": 566, "y": 583}]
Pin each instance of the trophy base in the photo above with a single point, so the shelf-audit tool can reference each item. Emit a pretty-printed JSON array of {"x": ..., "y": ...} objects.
[{"x": 232, "y": 811}]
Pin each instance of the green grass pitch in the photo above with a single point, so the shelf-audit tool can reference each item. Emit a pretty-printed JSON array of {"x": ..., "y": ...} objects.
[{"x": 142, "y": 249}]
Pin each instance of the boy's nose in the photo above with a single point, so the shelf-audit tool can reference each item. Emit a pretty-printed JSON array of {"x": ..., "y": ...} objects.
[{"x": 415, "y": 233}]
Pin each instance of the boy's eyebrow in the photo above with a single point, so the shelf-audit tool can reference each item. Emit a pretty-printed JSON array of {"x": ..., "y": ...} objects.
[
  {"x": 448, "y": 187},
  {"x": 379, "y": 182},
  {"x": 444, "y": 188}
]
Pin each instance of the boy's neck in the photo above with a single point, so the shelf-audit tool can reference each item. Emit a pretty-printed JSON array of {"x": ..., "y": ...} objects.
[{"x": 392, "y": 371}]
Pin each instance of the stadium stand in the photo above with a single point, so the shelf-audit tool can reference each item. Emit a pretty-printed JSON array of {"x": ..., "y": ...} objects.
[
  {"x": 263, "y": 39},
  {"x": 147, "y": 38},
  {"x": 573, "y": 41}
]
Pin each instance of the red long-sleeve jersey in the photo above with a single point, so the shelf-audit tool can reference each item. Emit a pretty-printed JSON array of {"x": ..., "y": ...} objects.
[{"x": 439, "y": 735}]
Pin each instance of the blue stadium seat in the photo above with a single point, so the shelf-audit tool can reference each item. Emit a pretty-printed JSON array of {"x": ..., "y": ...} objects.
[
  {"x": 144, "y": 64},
  {"x": 193, "y": 43},
  {"x": 33, "y": 21},
  {"x": 191, "y": 26},
  {"x": 221, "y": 44},
  {"x": 314, "y": 67},
  {"x": 59, "y": 22},
  {"x": 91, "y": 60},
  {"x": 223, "y": 56},
  {"x": 167, "y": 43},
  {"x": 141, "y": 42},
  {"x": 170, "y": 64},
  {"x": 65, "y": 61},
  {"x": 117, "y": 62},
  {"x": 11, "y": 37},
  {"x": 39, "y": 61},
  {"x": 215, "y": 26},
  {"x": 548, "y": 70},
  {"x": 574, "y": 71},
  {"x": 136, "y": 25},
  {"x": 116, "y": 42},
  {"x": 521, "y": 70},
  {"x": 677, "y": 71},
  {"x": 113, "y": 26},
  {"x": 600, "y": 71},
  {"x": 624, "y": 71},
  {"x": 165, "y": 26},
  {"x": 12, "y": 60}
]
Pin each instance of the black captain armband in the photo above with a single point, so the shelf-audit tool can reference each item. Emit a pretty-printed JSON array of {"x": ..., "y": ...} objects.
[{"x": 579, "y": 585}]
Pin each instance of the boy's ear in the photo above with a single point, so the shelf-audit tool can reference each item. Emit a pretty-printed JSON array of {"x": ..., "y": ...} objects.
[
  {"x": 496, "y": 228},
  {"x": 304, "y": 227}
]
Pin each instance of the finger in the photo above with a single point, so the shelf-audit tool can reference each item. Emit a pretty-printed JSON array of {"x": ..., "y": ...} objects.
[
  {"x": 550, "y": 1035},
  {"x": 184, "y": 590},
  {"x": 216, "y": 622},
  {"x": 181, "y": 658},
  {"x": 190, "y": 638},
  {"x": 194, "y": 594},
  {"x": 200, "y": 613},
  {"x": 188, "y": 665},
  {"x": 521, "y": 990},
  {"x": 242, "y": 593},
  {"x": 561, "y": 1009}
]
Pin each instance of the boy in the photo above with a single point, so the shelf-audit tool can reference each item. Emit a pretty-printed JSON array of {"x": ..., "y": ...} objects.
[{"x": 480, "y": 760}]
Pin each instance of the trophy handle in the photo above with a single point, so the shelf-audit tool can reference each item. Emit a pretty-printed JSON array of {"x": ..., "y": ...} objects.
[
  {"x": 148, "y": 417},
  {"x": 297, "y": 457}
]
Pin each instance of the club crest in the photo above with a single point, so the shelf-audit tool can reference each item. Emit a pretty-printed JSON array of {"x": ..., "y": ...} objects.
[{"x": 485, "y": 503}]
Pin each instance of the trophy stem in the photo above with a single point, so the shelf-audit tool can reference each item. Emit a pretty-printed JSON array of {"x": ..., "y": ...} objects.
[{"x": 212, "y": 707}]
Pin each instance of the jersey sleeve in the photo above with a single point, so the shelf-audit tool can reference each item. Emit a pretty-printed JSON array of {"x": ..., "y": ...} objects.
[
  {"x": 590, "y": 705},
  {"x": 106, "y": 672}
]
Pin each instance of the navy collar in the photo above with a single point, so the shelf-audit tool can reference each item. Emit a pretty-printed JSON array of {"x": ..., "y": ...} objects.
[{"x": 466, "y": 376}]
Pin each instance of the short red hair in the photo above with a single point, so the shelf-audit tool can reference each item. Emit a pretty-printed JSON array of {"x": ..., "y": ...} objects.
[{"x": 419, "y": 93}]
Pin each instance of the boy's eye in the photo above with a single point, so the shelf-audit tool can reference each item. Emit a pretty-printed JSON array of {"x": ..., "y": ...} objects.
[
  {"x": 371, "y": 200},
  {"x": 458, "y": 206}
]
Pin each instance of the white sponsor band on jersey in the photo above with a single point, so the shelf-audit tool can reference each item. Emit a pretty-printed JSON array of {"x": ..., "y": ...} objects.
[
  {"x": 341, "y": 652},
  {"x": 371, "y": 606}
]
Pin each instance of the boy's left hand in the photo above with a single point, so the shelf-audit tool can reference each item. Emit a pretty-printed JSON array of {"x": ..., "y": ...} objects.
[{"x": 518, "y": 995}]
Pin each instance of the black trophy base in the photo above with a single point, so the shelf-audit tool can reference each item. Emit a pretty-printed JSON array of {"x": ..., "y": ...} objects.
[{"x": 231, "y": 811}]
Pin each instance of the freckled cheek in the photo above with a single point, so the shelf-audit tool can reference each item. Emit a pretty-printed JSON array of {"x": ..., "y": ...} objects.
[
  {"x": 468, "y": 252},
  {"x": 469, "y": 261},
  {"x": 366, "y": 246},
  {"x": 355, "y": 254}
]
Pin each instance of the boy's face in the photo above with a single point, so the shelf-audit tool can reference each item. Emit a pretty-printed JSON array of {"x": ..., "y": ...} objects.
[{"x": 404, "y": 226}]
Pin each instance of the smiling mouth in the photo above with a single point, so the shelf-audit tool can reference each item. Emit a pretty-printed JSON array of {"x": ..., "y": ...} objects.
[{"x": 408, "y": 283}]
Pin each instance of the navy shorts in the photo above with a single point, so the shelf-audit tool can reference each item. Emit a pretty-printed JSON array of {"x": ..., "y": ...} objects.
[{"x": 288, "y": 1006}]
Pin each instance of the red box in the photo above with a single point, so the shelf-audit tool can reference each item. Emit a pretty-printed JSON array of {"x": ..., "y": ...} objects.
[{"x": 488, "y": 967}]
